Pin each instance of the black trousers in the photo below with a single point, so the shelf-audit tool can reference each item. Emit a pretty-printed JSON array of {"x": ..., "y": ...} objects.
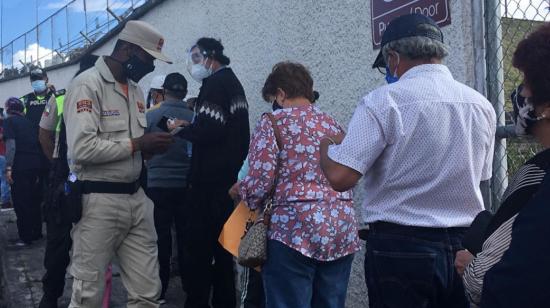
[
  {"x": 27, "y": 197},
  {"x": 206, "y": 264},
  {"x": 169, "y": 210},
  {"x": 252, "y": 294},
  {"x": 410, "y": 267},
  {"x": 57, "y": 214},
  {"x": 57, "y": 256}
]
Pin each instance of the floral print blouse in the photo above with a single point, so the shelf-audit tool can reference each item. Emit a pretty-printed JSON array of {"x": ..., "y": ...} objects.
[{"x": 308, "y": 215}]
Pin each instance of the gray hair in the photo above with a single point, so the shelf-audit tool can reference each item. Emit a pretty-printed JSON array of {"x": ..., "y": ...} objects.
[{"x": 417, "y": 47}]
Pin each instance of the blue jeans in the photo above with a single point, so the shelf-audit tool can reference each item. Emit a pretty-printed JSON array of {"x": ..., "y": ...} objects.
[
  {"x": 413, "y": 267},
  {"x": 293, "y": 280},
  {"x": 4, "y": 186}
]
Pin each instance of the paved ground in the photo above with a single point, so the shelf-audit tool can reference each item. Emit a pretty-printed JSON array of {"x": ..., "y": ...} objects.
[{"x": 22, "y": 270}]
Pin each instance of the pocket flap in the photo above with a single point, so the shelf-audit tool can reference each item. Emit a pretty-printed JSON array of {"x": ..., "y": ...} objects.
[
  {"x": 112, "y": 125},
  {"x": 83, "y": 274},
  {"x": 142, "y": 121}
]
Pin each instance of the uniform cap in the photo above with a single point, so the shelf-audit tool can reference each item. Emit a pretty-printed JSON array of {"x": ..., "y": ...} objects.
[
  {"x": 37, "y": 74},
  {"x": 157, "y": 82},
  {"x": 145, "y": 36},
  {"x": 175, "y": 82},
  {"x": 408, "y": 26}
]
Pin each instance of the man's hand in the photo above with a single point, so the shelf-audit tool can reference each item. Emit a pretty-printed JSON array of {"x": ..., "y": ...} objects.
[
  {"x": 153, "y": 143},
  {"x": 9, "y": 179},
  {"x": 462, "y": 260},
  {"x": 340, "y": 177},
  {"x": 234, "y": 192},
  {"x": 336, "y": 139},
  {"x": 177, "y": 123}
]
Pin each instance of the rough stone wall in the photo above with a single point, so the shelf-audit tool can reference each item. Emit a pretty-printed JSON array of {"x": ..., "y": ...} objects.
[{"x": 332, "y": 38}]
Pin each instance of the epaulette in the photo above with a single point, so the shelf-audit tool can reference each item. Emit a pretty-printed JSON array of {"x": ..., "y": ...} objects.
[{"x": 60, "y": 92}]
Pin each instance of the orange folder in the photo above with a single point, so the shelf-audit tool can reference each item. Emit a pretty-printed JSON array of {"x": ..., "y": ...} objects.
[{"x": 234, "y": 228}]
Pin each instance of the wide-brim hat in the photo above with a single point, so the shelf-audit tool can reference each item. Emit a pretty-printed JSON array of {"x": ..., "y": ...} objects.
[{"x": 145, "y": 36}]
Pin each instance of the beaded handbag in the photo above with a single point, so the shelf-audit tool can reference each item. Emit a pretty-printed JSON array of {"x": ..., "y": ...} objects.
[{"x": 253, "y": 246}]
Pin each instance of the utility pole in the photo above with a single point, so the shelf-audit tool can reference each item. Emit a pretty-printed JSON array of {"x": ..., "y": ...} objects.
[
  {"x": 2, "y": 36},
  {"x": 1, "y": 25},
  {"x": 37, "y": 35}
]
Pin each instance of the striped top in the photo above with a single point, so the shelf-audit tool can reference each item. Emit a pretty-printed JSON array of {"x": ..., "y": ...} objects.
[{"x": 523, "y": 186}]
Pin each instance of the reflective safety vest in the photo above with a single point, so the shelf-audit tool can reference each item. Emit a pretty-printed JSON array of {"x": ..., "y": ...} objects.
[{"x": 59, "y": 105}]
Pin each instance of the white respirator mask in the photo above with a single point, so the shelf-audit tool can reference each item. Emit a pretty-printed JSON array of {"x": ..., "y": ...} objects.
[{"x": 196, "y": 64}]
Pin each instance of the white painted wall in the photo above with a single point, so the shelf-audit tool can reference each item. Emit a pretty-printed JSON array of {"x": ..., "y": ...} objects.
[{"x": 332, "y": 38}]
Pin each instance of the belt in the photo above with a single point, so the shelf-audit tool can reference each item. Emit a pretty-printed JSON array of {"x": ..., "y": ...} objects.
[
  {"x": 100, "y": 187},
  {"x": 382, "y": 226}
]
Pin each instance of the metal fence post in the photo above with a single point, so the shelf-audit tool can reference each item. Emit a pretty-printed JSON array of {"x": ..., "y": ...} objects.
[
  {"x": 480, "y": 78},
  {"x": 85, "y": 16},
  {"x": 495, "y": 94}
]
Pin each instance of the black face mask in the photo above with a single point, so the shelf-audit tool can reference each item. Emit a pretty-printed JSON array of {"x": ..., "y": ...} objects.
[
  {"x": 275, "y": 106},
  {"x": 136, "y": 69}
]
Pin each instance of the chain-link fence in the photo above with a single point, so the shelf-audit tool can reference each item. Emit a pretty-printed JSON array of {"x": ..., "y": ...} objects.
[
  {"x": 507, "y": 22},
  {"x": 64, "y": 35}
]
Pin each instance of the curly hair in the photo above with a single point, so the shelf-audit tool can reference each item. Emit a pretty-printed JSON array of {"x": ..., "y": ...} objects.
[
  {"x": 532, "y": 57},
  {"x": 214, "y": 49},
  {"x": 293, "y": 78}
]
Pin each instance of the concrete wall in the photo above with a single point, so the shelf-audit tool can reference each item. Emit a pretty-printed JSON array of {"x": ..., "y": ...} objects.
[{"x": 332, "y": 38}]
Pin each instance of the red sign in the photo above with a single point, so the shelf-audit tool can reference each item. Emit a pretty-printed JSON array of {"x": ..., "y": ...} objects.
[{"x": 384, "y": 11}]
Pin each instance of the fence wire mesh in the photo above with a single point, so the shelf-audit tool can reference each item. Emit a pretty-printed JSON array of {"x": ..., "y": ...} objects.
[
  {"x": 507, "y": 23},
  {"x": 63, "y": 35}
]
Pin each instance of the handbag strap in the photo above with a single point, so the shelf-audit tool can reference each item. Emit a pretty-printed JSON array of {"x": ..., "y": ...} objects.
[
  {"x": 278, "y": 140},
  {"x": 275, "y": 130}
]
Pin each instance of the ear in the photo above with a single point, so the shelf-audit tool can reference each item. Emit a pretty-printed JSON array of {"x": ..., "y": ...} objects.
[
  {"x": 280, "y": 93},
  {"x": 545, "y": 114}
]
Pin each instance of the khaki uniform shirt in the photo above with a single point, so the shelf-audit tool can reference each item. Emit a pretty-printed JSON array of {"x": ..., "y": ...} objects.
[
  {"x": 100, "y": 121},
  {"x": 49, "y": 122}
]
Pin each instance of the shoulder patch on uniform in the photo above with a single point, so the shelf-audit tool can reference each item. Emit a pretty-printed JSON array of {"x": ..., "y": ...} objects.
[
  {"x": 46, "y": 110},
  {"x": 141, "y": 107},
  {"x": 84, "y": 105}
]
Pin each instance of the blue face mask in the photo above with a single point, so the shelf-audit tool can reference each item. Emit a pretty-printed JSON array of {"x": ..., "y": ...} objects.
[
  {"x": 390, "y": 78},
  {"x": 38, "y": 86}
]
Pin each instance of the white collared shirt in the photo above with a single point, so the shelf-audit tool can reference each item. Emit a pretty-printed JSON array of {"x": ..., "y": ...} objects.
[{"x": 423, "y": 145}]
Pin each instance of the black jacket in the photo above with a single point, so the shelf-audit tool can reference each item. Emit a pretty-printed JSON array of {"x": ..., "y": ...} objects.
[
  {"x": 220, "y": 132},
  {"x": 522, "y": 276}
]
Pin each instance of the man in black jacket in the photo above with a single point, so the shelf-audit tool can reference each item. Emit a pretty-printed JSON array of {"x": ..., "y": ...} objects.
[{"x": 220, "y": 138}]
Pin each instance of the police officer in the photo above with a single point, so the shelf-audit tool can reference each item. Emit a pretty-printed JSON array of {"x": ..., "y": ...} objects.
[
  {"x": 56, "y": 213},
  {"x": 104, "y": 113},
  {"x": 42, "y": 95},
  {"x": 35, "y": 102},
  {"x": 22, "y": 168}
]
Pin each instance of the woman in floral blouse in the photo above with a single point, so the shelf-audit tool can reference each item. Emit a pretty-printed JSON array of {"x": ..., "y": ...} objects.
[{"x": 312, "y": 234}]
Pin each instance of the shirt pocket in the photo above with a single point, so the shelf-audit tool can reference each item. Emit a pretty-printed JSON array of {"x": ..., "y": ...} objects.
[
  {"x": 142, "y": 124},
  {"x": 113, "y": 129}
]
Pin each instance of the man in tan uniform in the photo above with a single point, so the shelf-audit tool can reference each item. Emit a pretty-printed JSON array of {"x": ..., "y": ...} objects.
[{"x": 105, "y": 119}]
